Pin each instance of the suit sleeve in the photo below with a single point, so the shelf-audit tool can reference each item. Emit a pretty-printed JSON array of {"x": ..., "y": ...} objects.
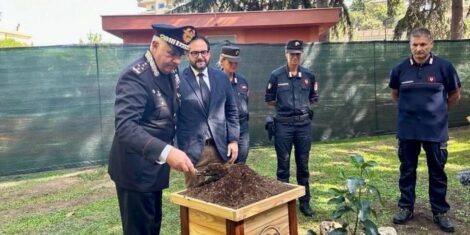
[
  {"x": 131, "y": 100},
  {"x": 231, "y": 113}
]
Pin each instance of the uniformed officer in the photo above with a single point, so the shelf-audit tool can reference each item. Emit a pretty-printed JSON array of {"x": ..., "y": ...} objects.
[
  {"x": 142, "y": 152},
  {"x": 228, "y": 61},
  {"x": 425, "y": 86},
  {"x": 292, "y": 89}
]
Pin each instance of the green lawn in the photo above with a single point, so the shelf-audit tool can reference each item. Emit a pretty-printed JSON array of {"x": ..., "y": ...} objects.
[{"x": 83, "y": 201}]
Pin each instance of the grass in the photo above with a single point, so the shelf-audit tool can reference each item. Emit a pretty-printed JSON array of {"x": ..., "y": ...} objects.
[{"x": 83, "y": 201}]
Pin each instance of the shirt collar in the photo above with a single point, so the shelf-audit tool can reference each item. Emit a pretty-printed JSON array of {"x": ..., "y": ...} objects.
[
  {"x": 430, "y": 60},
  {"x": 197, "y": 72},
  {"x": 291, "y": 75}
]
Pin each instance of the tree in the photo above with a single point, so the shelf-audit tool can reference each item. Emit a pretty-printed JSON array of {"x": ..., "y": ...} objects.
[
  {"x": 92, "y": 38},
  {"x": 457, "y": 25},
  {"x": 194, "y": 6},
  {"x": 423, "y": 13},
  {"x": 10, "y": 42}
]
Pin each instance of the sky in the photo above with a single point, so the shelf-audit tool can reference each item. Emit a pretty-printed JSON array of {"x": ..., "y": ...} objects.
[{"x": 62, "y": 22}]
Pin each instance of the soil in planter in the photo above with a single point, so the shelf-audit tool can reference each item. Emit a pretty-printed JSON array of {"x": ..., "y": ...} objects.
[{"x": 237, "y": 187}]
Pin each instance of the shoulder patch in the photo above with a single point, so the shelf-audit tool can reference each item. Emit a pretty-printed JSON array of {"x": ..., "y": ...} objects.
[{"x": 140, "y": 67}]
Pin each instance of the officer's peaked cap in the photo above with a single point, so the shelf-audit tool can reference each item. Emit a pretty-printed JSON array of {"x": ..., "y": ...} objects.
[
  {"x": 231, "y": 53},
  {"x": 175, "y": 36},
  {"x": 294, "y": 46}
]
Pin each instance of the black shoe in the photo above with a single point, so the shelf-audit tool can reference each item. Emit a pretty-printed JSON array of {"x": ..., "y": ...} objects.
[
  {"x": 443, "y": 221},
  {"x": 403, "y": 216},
  {"x": 306, "y": 209}
]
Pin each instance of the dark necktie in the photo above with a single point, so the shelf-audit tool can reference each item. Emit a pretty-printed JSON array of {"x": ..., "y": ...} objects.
[{"x": 204, "y": 89}]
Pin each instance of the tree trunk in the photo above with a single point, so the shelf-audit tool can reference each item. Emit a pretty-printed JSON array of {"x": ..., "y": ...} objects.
[
  {"x": 456, "y": 26},
  {"x": 324, "y": 37}
]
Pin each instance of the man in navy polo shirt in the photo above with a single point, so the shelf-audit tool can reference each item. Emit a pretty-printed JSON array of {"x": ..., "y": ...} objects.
[{"x": 425, "y": 87}]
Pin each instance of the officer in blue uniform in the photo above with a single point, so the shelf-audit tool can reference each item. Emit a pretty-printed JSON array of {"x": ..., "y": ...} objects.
[
  {"x": 228, "y": 61},
  {"x": 425, "y": 86},
  {"x": 292, "y": 89},
  {"x": 142, "y": 152}
]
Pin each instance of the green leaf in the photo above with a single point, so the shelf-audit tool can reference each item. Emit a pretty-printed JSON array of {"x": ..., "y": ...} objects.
[
  {"x": 336, "y": 192},
  {"x": 364, "y": 211},
  {"x": 371, "y": 164},
  {"x": 340, "y": 211},
  {"x": 338, "y": 231},
  {"x": 372, "y": 189},
  {"x": 336, "y": 200},
  {"x": 370, "y": 228},
  {"x": 357, "y": 160},
  {"x": 311, "y": 232},
  {"x": 353, "y": 183}
]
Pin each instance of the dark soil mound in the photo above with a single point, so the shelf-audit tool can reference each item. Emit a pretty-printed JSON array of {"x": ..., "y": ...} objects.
[{"x": 238, "y": 186}]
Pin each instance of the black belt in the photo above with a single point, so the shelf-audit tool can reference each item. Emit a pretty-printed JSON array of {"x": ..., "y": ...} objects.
[
  {"x": 292, "y": 119},
  {"x": 209, "y": 142}
]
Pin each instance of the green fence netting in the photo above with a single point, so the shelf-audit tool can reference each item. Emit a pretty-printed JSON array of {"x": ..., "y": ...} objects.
[{"x": 56, "y": 103}]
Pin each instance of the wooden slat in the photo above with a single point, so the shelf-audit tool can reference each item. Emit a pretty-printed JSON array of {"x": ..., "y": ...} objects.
[
  {"x": 207, "y": 220},
  {"x": 197, "y": 229},
  {"x": 268, "y": 203},
  {"x": 210, "y": 208},
  {"x": 277, "y": 226},
  {"x": 276, "y": 218},
  {"x": 241, "y": 213}
]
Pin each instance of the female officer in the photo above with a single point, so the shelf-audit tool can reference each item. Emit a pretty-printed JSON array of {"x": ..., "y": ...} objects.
[{"x": 228, "y": 61}]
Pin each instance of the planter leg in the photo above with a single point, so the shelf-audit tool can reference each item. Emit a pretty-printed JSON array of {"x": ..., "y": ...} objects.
[
  {"x": 292, "y": 213},
  {"x": 184, "y": 219},
  {"x": 234, "y": 228}
]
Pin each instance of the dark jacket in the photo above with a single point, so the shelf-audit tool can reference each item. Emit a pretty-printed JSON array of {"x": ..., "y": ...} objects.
[
  {"x": 145, "y": 108},
  {"x": 193, "y": 121}
]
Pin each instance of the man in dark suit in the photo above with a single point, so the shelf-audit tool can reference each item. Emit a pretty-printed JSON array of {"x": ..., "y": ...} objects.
[
  {"x": 141, "y": 153},
  {"x": 207, "y": 127}
]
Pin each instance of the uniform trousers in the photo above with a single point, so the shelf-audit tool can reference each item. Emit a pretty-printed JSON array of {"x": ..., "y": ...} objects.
[
  {"x": 141, "y": 212},
  {"x": 436, "y": 158},
  {"x": 299, "y": 136},
  {"x": 243, "y": 142}
]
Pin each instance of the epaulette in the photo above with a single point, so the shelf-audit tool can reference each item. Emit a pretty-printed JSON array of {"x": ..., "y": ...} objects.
[{"x": 140, "y": 67}]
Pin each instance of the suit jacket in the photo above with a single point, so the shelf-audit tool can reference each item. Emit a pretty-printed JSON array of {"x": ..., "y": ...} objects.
[
  {"x": 193, "y": 120},
  {"x": 145, "y": 106}
]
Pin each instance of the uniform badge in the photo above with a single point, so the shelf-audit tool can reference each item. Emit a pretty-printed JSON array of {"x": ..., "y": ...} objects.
[
  {"x": 140, "y": 67},
  {"x": 244, "y": 87},
  {"x": 315, "y": 86},
  {"x": 306, "y": 81},
  {"x": 153, "y": 91},
  {"x": 269, "y": 86},
  {"x": 431, "y": 79}
]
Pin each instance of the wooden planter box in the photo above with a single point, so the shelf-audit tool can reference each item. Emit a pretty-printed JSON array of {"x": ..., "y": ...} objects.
[{"x": 273, "y": 215}]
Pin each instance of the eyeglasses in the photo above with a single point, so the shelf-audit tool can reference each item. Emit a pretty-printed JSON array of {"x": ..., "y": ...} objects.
[{"x": 197, "y": 53}]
